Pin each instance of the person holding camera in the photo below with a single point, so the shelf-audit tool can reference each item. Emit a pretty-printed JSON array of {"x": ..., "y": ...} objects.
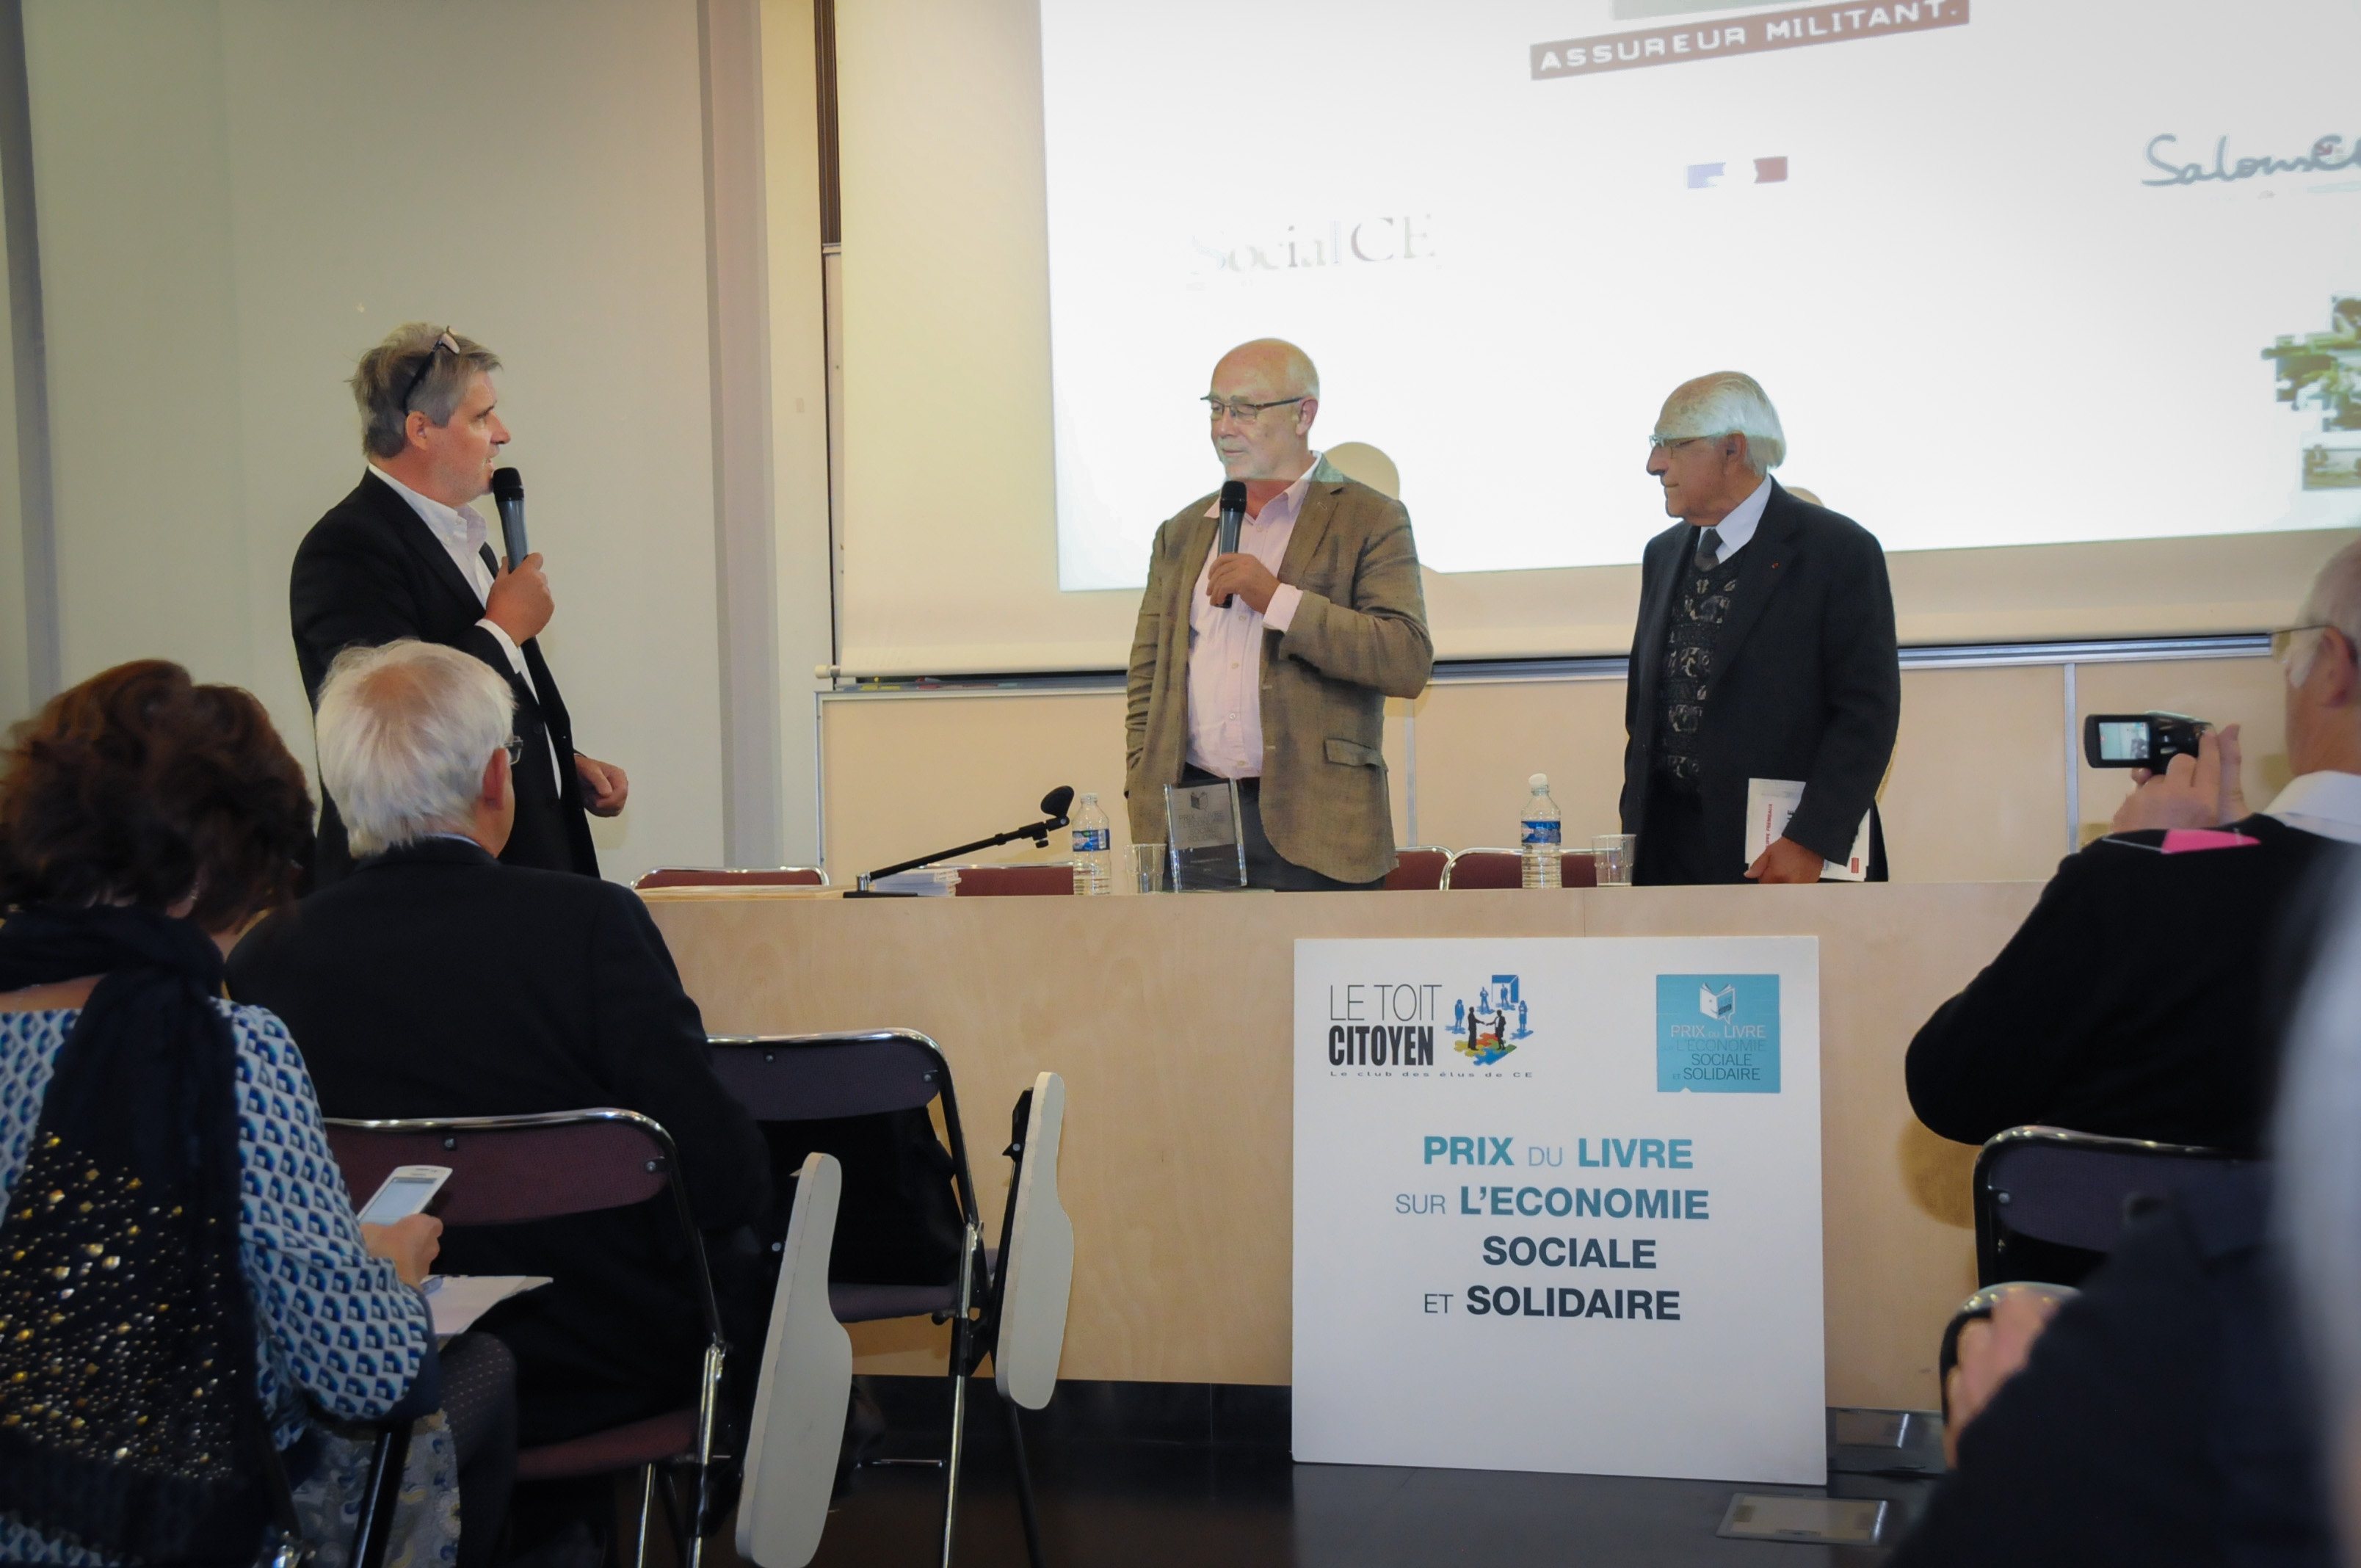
[{"x": 2133, "y": 1001}]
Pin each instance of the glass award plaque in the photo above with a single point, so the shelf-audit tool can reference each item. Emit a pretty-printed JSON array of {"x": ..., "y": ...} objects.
[{"x": 1206, "y": 850}]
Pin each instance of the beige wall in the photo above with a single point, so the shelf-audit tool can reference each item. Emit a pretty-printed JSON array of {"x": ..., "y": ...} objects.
[
  {"x": 238, "y": 196},
  {"x": 1977, "y": 791}
]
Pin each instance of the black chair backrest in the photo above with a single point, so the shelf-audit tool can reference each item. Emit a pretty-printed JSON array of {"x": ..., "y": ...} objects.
[
  {"x": 2069, "y": 1188},
  {"x": 807, "y": 1078},
  {"x": 509, "y": 1169},
  {"x": 802, "y": 1077}
]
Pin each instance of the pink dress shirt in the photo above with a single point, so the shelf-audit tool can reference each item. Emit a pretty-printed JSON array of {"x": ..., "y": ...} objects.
[{"x": 1226, "y": 645}]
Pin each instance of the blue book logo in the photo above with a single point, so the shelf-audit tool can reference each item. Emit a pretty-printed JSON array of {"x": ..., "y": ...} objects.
[{"x": 1718, "y": 1034}]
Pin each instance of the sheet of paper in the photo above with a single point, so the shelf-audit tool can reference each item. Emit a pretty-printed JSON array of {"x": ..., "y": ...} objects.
[
  {"x": 457, "y": 1300},
  {"x": 1769, "y": 803}
]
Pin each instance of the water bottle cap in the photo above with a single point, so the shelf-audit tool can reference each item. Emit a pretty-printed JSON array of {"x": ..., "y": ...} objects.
[
  {"x": 1090, "y": 798},
  {"x": 1538, "y": 783}
]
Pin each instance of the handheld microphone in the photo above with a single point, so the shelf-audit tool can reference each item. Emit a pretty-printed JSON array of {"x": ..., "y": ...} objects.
[
  {"x": 508, "y": 494},
  {"x": 1233, "y": 516}
]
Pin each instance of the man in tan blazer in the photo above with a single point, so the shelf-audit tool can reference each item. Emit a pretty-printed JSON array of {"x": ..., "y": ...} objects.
[{"x": 1284, "y": 690}]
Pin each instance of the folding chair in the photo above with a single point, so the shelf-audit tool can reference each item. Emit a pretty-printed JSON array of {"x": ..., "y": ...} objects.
[
  {"x": 1025, "y": 1332},
  {"x": 695, "y": 876},
  {"x": 1040, "y": 879},
  {"x": 805, "y": 1078},
  {"x": 807, "y": 1383},
  {"x": 506, "y": 1170},
  {"x": 2064, "y": 1188},
  {"x": 1417, "y": 869}
]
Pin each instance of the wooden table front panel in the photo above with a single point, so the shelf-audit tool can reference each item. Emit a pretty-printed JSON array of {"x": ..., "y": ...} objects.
[{"x": 1171, "y": 1020}]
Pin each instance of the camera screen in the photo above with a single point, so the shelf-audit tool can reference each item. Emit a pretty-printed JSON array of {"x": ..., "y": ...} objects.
[{"x": 2124, "y": 743}]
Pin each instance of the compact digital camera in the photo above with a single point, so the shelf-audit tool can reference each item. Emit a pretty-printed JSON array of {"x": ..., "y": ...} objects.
[{"x": 2148, "y": 741}]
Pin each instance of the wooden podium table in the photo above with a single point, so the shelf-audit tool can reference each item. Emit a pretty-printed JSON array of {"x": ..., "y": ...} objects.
[{"x": 1170, "y": 1019}]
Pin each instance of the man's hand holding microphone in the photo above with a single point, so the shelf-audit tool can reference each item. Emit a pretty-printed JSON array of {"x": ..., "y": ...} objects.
[{"x": 520, "y": 604}]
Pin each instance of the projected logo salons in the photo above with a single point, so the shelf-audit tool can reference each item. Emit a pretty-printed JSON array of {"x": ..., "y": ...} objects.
[
  {"x": 1782, "y": 29},
  {"x": 2328, "y": 155}
]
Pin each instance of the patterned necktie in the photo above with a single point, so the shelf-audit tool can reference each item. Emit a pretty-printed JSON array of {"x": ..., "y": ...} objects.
[{"x": 1708, "y": 553}]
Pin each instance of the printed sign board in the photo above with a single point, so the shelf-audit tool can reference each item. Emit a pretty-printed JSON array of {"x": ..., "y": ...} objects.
[{"x": 1557, "y": 1206}]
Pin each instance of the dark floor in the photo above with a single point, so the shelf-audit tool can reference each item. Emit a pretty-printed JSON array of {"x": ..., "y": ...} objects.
[{"x": 1147, "y": 1475}]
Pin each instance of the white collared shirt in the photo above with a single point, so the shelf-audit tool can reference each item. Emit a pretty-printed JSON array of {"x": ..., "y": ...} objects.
[
  {"x": 1743, "y": 520},
  {"x": 1226, "y": 645},
  {"x": 2328, "y": 803},
  {"x": 461, "y": 532}
]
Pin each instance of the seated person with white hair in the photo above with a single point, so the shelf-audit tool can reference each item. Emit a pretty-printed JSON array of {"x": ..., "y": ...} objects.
[
  {"x": 435, "y": 981},
  {"x": 1765, "y": 649},
  {"x": 2134, "y": 1000}
]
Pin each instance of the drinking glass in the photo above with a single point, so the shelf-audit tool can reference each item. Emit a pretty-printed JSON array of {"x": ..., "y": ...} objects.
[
  {"x": 1148, "y": 868},
  {"x": 1611, "y": 853}
]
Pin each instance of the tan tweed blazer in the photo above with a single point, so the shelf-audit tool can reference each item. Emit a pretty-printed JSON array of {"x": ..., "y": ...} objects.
[{"x": 1358, "y": 637}]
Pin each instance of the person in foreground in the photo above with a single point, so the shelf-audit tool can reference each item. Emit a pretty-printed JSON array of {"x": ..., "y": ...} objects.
[
  {"x": 179, "y": 1263},
  {"x": 406, "y": 555},
  {"x": 1765, "y": 649},
  {"x": 435, "y": 982},
  {"x": 2133, "y": 1000},
  {"x": 2316, "y": 1223},
  {"x": 1285, "y": 689},
  {"x": 2199, "y": 1400}
]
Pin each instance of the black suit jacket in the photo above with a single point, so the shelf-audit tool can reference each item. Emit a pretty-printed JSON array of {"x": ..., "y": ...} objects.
[
  {"x": 2133, "y": 1002},
  {"x": 370, "y": 572},
  {"x": 1809, "y": 684},
  {"x": 2163, "y": 1418},
  {"x": 435, "y": 982}
]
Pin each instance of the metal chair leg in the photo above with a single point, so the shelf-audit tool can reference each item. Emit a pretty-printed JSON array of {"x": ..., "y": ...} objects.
[
  {"x": 391, "y": 1453},
  {"x": 962, "y": 1344},
  {"x": 647, "y": 1506},
  {"x": 1024, "y": 1485}
]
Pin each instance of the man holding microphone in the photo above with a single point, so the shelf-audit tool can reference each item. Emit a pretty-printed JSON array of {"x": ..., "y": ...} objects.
[
  {"x": 405, "y": 555},
  {"x": 1271, "y": 665}
]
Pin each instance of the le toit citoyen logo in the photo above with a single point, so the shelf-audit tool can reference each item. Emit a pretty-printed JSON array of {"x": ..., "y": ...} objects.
[
  {"x": 1491, "y": 1028},
  {"x": 1394, "y": 1024}
]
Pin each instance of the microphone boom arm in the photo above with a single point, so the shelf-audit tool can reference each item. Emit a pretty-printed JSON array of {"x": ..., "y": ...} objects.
[{"x": 1038, "y": 832}]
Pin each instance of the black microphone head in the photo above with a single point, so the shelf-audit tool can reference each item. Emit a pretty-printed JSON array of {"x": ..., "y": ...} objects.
[
  {"x": 508, "y": 484},
  {"x": 1054, "y": 804},
  {"x": 1234, "y": 494}
]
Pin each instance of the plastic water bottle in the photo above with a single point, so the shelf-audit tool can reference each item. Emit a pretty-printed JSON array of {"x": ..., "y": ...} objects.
[
  {"x": 1542, "y": 840},
  {"x": 1093, "y": 848}
]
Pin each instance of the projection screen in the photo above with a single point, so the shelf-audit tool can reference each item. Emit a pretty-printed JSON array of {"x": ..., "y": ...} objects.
[{"x": 2015, "y": 271}]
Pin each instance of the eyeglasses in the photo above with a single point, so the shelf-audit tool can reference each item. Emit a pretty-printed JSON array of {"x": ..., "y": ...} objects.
[
  {"x": 418, "y": 376},
  {"x": 2283, "y": 640},
  {"x": 1243, "y": 411},
  {"x": 514, "y": 747},
  {"x": 1668, "y": 443}
]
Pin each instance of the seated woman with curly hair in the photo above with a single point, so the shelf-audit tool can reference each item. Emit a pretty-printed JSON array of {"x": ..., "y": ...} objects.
[{"x": 179, "y": 1263}]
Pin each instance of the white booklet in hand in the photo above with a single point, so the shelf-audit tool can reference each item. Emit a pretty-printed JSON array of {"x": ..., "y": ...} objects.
[
  {"x": 1769, "y": 803},
  {"x": 457, "y": 1300}
]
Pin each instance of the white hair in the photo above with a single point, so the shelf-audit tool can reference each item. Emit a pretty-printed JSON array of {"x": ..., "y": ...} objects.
[
  {"x": 404, "y": 732},
  {"x": 1728, "y": 403},
  {"x": 2335, "y": 601}
]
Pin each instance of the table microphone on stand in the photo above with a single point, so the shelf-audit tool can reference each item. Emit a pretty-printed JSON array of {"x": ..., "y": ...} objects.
[{"x": 1053, "y": 816}]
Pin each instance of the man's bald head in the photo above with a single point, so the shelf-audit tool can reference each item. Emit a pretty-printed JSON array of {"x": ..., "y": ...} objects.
[
  {"x": 1286, "y": 370},
  {"x": 1264, "y": 396}
]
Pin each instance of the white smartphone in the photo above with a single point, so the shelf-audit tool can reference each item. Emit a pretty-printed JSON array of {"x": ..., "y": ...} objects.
[{"x": 406, "y": 1191}]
